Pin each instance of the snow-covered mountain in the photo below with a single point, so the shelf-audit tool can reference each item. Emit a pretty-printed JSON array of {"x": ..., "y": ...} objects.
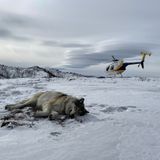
[{"x": 33, "y": 72}]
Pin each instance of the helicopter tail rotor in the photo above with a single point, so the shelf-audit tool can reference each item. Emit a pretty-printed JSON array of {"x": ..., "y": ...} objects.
[
  {"x": 142, "y": 64},
  {"x": 144, "y": 54}
]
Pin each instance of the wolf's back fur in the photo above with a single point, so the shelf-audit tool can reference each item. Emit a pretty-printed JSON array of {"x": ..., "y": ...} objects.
[{"x": 51, "y": 104}]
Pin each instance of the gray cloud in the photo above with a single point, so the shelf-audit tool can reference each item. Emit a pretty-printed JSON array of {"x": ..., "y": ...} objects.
[
  {"x": 53, "y": 43},
  {"x": 16, "y": 26},
  {"x": 13, "y": 26},
  {"x": 86, "y": 58},
  {"x": 74, "y": 30},
  {"x": 16, "y": 20},
  {"x": 6, "y": 34}
]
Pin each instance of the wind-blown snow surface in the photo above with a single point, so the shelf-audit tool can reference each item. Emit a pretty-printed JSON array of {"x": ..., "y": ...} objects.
[{"x": 123, "y": 123}]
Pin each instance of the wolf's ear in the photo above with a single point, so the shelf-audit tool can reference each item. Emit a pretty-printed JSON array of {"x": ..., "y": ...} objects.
[{"x": 81, "y": 101}]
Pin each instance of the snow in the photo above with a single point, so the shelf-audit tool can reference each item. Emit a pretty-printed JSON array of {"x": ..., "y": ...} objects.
[{"x": 123, "y": 123}]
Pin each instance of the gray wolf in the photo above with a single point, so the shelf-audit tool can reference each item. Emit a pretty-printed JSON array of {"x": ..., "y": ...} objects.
[{"x": 51, "y": 104}]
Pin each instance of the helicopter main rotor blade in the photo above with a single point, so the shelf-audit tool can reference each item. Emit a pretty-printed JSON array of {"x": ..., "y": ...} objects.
[{"x": 114, "y": 59}]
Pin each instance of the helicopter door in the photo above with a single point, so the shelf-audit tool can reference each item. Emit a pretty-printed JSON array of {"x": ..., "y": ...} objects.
[
  {"x": 112, "y": 67},
  {"x": 119, "y": 65}
]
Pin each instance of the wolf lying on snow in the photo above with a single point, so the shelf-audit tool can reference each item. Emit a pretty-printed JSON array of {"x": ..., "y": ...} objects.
[{"x": 51, "y": 104}]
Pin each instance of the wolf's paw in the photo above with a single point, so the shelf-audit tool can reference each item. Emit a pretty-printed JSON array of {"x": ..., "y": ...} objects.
[
  {"x": 8, "y": 107},
  {"x": 53, "y": 117}
]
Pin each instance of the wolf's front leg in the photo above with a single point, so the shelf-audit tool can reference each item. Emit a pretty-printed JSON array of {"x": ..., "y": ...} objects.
[
  {"x": 41, "y": 114},
  {"x": 58, "y": 117},
  {"x": 44, "y": 113}
]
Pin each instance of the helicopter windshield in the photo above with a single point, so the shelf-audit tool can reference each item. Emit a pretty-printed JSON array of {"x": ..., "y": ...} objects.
[{"x": 107, "y": 68}]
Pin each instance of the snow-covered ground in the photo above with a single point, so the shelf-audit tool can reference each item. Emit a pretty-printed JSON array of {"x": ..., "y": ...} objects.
[{"x": 123, "y": 123}]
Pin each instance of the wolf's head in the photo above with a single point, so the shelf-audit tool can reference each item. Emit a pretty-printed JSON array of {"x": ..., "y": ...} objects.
[{"x": 77, "y": 108}]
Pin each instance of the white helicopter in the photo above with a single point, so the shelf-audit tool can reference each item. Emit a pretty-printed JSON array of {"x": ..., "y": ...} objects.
[{"x": 119, "y": 66}]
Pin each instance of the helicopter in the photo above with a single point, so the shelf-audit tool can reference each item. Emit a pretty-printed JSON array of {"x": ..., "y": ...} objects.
[{"x": 119, "y": 66}]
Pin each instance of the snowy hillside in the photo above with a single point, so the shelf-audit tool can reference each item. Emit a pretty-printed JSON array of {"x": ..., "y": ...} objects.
[
  {"x": 33, "y": 72},
  {"x": 123, "y": 123}
]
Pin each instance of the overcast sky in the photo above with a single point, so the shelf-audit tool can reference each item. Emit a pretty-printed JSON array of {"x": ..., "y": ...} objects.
[{"x": 79, "y": 35}]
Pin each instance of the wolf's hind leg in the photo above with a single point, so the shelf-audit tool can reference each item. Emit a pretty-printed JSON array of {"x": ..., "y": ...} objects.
[
  {"x": 19, "y": 105},
  {"x": 29, "y": 102}
]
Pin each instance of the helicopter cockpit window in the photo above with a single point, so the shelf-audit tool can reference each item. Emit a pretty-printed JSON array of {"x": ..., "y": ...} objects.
[{"x": 107, "y": 68}]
